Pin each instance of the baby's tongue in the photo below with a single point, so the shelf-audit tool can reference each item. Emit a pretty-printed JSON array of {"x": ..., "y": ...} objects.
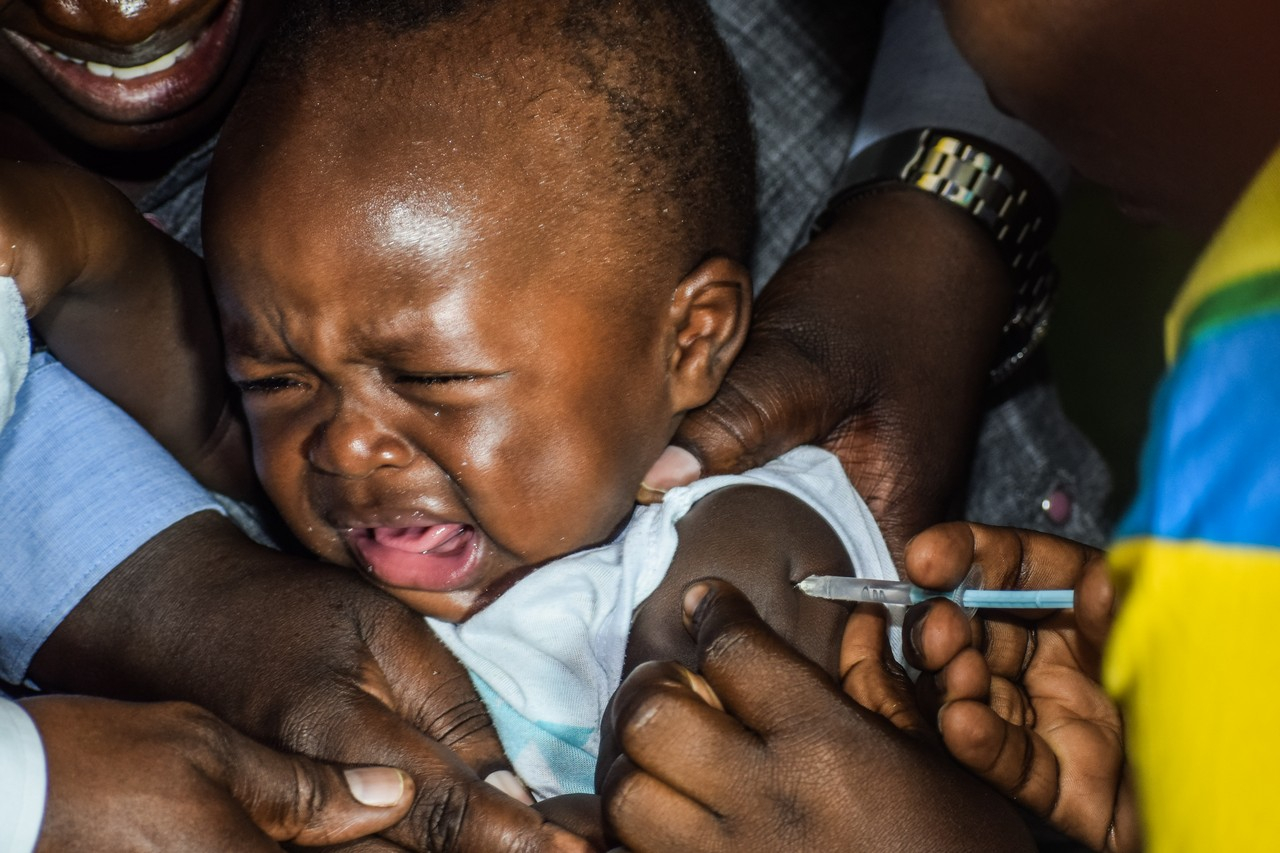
[{"x": 419, "y": 540}]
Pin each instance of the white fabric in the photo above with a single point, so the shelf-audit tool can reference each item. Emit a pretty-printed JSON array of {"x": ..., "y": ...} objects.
[
  {"x": 15, "y": 346},
  {"x": 548, "y": 654},
  {"x": 22, "y": 780}
]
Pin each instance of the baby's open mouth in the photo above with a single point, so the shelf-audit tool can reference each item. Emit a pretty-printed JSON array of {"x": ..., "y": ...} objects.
[
  {"x": 148, "y": 91},
  {"x": 432, "y": 558}
]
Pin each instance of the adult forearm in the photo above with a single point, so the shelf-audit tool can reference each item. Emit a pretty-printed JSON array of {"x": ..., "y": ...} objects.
[{"x": 893, "y": 313}]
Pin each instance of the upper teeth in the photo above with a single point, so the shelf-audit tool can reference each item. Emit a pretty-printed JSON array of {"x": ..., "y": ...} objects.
[{"x": 101, "y": 69}]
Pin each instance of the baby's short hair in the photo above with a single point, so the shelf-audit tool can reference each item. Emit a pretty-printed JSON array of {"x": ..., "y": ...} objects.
[{"x": 675, "y": 112}]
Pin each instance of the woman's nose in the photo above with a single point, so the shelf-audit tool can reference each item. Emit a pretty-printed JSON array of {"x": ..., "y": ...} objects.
[
  {"x": 119, "y": 23},
  {"x": 354, "y": 444}
]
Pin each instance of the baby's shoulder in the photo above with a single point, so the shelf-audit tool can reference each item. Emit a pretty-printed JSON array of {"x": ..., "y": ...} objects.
[{"x": 761, "y": 539}]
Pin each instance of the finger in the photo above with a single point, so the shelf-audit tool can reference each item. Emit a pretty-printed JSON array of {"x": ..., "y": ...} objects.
[
  {"x": 772, "y": 399},
  {"x": 365, "y": 845},
  {"x": 453, "y": 809},
  {"x": 1024, "y": 559},
  {"x": 646, "y": 814},
  {"x": 1125, "y": 834},
  {"x": 292, "y": 798},
  {"x": 580, "y": 813},
  {"x": 1096, "y": 603},
  {"x": 1009, "y": 645},
  {"x": 668, "y": 730},
  {"x": 737, "y": 652},
  {"x": 940, "y": 557},
  {"x": 1010, "y": 757},
  {"x": 427, "y": 686},
  {"x": 868, "y": 676},
  {"x": 967, "y": 676},
  {"x": 674, "y": 467},
  {"x": 936, "y": 631}
]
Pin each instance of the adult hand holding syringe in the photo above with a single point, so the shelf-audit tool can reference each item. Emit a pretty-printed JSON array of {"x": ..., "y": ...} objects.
[{"x": 1015, "y": 694}]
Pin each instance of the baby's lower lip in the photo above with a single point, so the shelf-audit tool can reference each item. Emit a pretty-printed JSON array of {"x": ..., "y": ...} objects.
[
  {"x": 144, "y": 93},
  {"x": 433, "y": 558}
]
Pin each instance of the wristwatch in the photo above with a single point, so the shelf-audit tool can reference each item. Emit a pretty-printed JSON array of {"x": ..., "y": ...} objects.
[{"x": 1011, "y": 201}]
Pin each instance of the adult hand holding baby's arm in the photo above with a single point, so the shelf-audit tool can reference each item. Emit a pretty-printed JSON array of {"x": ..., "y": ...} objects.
[
  {"x": 762, "y": 751},
  {"x": 302, "y": 656},
  {"x": 1017, "y": 696},
  {"x": 873, "y": 340}
]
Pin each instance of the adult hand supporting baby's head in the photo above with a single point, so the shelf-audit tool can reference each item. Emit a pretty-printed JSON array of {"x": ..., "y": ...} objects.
[
  {"x": 1017, "y": 694},
  {"x": 303, "y": 656},
  {"x": 873, "y": 340},
  {"x": 762, "y": 751}
]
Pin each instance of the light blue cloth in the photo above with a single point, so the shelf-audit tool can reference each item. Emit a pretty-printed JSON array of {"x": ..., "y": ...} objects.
[
  {"x": 81, "y": 487},
  {"x": 920, "y": 80},
  {"x": 15, "y": 345},
  {"x": 22, "y": 780},
  {"x": 547, "y": 655}
]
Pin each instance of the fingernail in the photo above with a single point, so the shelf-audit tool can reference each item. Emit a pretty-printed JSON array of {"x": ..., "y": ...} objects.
[
  {"x": 702, "y": 689},
  {"x": 376, "y": 786},
  {"x": 510, "y": 784},
  {"x": 692, "y": 603},
  {"x": 675, "y": 467},
  {"x": 917, "y": 637}
]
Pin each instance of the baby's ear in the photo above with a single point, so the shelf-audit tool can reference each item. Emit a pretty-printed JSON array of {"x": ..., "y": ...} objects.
[{"x": 710, "y": 310}]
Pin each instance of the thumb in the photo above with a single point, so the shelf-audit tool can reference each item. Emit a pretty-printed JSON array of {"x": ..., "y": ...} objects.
[
  {"x": 296, "y": 799},
  {"x": 772, "y": 399},
  {"x": 738, "y": 652}
]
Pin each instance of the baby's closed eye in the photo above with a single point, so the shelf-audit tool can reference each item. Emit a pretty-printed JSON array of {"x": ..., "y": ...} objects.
[{"x": 266, "y": 385}]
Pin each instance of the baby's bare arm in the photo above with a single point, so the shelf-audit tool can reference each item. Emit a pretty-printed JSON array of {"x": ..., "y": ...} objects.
[
  {"x": 126, "y": 308},
  {"x": 763, "y": 541}
]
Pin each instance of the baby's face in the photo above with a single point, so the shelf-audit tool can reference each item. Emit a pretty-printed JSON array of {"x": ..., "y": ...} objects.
[{"x": 443, "y": 384}]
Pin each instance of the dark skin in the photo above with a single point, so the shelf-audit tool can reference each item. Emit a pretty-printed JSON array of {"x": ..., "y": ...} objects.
[
  {"x": 218, "y": 786},
  {"x": 398, "y": 694},
  {"x": 1111, "y": 84},
  {"x": 379, "y": 447},
  {"x": 48, "y": 130},
  {"x": 1017, "y": 696},
  {"x": 132, "y": 131},
  {"x": 677, "y": 732},
  {"x": 825, "y": 361},
  {"x": 129, "y": 129},
  {"x": 325, "y": 309}
]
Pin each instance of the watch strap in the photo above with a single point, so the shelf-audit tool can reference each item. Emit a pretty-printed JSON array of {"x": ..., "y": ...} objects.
[{"x": 1008, "y": 198}]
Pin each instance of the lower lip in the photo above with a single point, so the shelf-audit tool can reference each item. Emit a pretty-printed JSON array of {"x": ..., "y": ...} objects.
[
  {"x": 444, "y": 569},
  {"x": 150, "y": 98}
]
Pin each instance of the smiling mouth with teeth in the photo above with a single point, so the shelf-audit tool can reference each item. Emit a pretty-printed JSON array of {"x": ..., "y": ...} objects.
[
  {"x": 101, "y": 69},
  {"x": 133, "y": 94}
]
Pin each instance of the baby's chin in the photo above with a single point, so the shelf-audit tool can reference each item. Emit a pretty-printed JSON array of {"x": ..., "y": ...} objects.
[{"x": 455, "y": 605}]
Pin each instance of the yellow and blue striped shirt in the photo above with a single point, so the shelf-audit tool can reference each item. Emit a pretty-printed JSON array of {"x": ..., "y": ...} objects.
[{"x": 1193, "y": 656}]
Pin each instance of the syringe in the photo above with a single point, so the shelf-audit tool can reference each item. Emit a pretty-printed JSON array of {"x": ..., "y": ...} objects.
[{"x": 903, "y": 593}]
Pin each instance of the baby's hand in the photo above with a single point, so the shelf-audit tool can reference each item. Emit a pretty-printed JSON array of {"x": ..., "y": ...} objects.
[
  {"x": 56, "y": 224},
  {"x": 125, "y": 308},
  {"x": 1018, "y": 695}
]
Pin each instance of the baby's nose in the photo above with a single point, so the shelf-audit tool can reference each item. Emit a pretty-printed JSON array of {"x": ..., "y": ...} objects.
[
  {"x": 119, "y": 22},
  {"x": 355, "y": 445}
]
